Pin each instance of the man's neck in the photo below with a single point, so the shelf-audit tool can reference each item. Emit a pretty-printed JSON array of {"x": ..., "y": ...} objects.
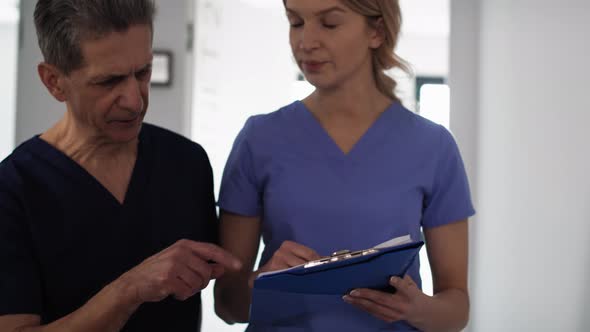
[{"x": 86, "y": 146}]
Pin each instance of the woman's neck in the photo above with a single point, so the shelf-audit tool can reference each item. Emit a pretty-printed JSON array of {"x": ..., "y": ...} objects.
[{"x": 359, "y": 101}]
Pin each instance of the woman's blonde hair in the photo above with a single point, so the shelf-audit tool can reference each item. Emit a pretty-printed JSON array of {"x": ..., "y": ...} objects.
[{"x": 388, "y": 14}]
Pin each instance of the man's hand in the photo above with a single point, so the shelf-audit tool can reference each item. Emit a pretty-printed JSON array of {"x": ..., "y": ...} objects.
[{"x": 181, "y": 270}]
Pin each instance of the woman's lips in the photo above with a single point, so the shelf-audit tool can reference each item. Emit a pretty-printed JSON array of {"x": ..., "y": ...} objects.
[{"x": 312, "y": 66}]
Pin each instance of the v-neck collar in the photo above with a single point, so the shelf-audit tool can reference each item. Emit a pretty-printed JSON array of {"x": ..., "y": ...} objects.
[
  {"x": 322, "y": 137},
  {"x": 74, "y": 170}
]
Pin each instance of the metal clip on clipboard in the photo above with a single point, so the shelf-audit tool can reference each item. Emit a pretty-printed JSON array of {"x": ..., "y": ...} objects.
[{"x": 340, "y": 255}]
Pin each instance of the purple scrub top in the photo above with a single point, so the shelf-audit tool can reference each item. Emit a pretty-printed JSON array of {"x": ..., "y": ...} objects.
[{"x": 404, "y": 173}]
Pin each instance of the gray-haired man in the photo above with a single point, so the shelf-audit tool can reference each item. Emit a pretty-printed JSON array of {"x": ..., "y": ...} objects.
[{"x": 106, "y": 223}]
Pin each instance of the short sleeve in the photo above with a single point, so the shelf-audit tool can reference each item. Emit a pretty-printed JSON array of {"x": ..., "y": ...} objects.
[
  {"x": 239, "y": 192},
  {"x": 20, "y": 284},
  {"x": 208, "y": 214},
  {"x": 449, "y": 198}
]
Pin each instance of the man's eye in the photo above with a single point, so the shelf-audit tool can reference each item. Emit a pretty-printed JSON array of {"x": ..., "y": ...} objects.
[
  {"x": 110, "y": 81},
  {"x": 296, "y": 24},
  {"x": 143, "y": 74}
]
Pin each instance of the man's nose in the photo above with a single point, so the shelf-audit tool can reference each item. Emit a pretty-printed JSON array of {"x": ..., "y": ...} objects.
[{"x": 130, "y": 97}]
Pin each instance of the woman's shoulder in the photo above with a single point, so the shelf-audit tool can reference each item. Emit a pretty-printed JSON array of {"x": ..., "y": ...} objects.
[
  {"x": 278, "y": 121},
  {"x": 277, "y": 117},
  {"x": 420, "y": 127},
  {"x": 416, "y": 120}
]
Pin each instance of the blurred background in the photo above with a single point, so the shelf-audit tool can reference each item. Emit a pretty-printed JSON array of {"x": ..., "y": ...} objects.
[{"x": 508, "y": 78}]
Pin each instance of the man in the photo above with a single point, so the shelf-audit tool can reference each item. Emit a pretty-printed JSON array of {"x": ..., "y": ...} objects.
[{"x": 106, "y": 223}]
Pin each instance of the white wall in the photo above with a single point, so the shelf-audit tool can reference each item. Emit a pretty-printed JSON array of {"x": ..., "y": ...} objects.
[
  {"x": 169, "y": 106},
  {"x": 9, "y": 39},
  {"x": 424, "y": 40},
  {"x": 531, "y": 263},
  {"x": 424, "y": 43},
  {"x": 243, "y": 67},
  {"x": 428, "y": 55}
]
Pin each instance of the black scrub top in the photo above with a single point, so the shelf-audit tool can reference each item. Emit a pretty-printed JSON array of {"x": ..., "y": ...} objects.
[{"x": 63, "y": 236}]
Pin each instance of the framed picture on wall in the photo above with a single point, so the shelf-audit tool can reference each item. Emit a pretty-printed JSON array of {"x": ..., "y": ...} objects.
[{"x": 162, "y": 68}]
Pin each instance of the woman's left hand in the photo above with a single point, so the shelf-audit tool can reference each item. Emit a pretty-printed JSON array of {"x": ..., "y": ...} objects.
[{"x": 407, "y": 303}]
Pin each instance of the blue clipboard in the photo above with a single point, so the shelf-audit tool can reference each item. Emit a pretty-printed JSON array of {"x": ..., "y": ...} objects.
[{"x": 343, "y": 271}]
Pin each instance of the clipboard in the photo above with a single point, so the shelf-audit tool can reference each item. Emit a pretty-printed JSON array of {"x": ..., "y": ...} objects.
[{"x": 344, "y": 271}]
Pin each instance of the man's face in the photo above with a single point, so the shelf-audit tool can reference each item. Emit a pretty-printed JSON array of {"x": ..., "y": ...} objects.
[{"x": 108, "y": 96}]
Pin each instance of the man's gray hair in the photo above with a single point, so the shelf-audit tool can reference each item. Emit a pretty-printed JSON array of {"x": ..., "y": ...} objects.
[{"x": 63, "y": 24}]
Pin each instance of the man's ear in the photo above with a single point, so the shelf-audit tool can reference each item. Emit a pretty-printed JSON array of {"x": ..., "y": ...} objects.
[
  {"x": 377, "y": 36},
  {"x": 53, "y": 79}
]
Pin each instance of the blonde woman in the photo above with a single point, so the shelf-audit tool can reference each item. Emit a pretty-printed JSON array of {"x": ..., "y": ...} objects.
[{"x": 347, "y": 157}]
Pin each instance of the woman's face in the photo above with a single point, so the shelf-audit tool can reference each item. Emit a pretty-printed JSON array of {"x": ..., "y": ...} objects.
[{"x": 330, "y": 42}]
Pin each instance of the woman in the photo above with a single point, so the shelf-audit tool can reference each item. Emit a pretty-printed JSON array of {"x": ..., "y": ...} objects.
[{"x": 349, "y": 156}]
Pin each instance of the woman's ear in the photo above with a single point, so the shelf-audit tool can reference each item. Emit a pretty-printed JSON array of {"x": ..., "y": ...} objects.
[
  {"x": 377, "y": 34},
  {"x": 53, "y": 79}
]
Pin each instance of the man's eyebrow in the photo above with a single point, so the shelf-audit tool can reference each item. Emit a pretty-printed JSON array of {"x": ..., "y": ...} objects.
[
  {"x": 321, "y": 12},
  {"x": 144, "y": 68},
  {"x": 103, "y": 77}
]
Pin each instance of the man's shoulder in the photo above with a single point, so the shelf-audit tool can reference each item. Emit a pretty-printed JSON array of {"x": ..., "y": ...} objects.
[
  {"x": 23, "y": 155},
  {"x": 160, "y": 133},
  {"x": 170, "y": 149},
  {"x": 167, "y": 140},
  {"x": 15, "y": 168}
]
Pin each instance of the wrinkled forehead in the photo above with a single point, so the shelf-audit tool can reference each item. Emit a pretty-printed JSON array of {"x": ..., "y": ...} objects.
[
  {"x": 118, "y": 51},
  {"x": 88, "y": 34}
]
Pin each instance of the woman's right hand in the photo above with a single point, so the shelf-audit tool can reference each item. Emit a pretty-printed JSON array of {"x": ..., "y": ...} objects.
[{"x": 288, "y": 255}]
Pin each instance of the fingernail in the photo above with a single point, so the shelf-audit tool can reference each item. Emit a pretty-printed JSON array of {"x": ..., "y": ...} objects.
[
  {"x": 347, "y": 298},
  {"x": 394, "y": 280},
  {"x": 354, "y": 293}
]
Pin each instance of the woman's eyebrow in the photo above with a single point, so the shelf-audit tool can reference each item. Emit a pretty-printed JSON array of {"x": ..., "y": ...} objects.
[{"x": 321, "y": 12}]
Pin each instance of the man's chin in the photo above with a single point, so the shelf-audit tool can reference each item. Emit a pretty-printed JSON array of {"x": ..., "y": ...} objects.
[{"x": 123, "y": 133}]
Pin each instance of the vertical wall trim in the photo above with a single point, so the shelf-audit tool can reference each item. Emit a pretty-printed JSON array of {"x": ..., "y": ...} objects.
[{"x": 464, "y": 60}]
